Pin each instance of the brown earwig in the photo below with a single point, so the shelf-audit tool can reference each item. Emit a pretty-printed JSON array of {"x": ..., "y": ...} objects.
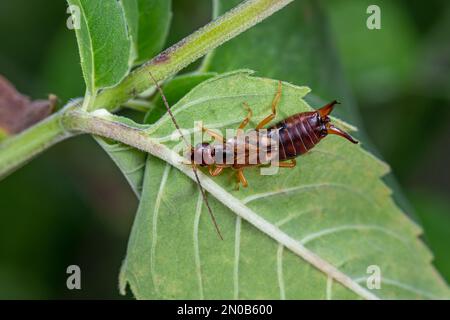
[{"x": 296, "y": 135}]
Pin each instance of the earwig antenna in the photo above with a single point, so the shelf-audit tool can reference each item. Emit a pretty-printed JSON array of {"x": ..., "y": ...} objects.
[{"x": 194, "y": 169}]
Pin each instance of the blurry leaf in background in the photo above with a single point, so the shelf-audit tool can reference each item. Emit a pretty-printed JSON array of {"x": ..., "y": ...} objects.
[
  {"x": 60, "y": 70},
  {"x": 342, "y": 214},
  {"x": 24, "y": 34},
  {"x": 383, "y": 67},
  {"x": 379, "y": 62},
  {"x": 400, "y": 79},
  {"x": 154, "y": 18},
  {"x": 18, "y": 112},
  {"x": 434, "y": 212},
  {"x": 42, "y": 222},
  {"x": 103, "y": 42},
  {"x": 434, "y": 76}
]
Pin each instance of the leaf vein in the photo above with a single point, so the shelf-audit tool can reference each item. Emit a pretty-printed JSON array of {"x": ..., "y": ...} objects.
[
  {"x": 198, "y": 212},
  {"x": 237, "y": 246},
  {"x": 328, "y": 231},
  {"x": 286, "y": 191},
  {"x": 280, "y": 271},
  {"x": 155, "y": 225}
]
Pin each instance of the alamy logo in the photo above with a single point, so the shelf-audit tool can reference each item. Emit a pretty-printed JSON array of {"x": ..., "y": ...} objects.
[
  {"x": 74, "y": 280},
  {"x": 374, "y": 20},
  {"x": 374, "y": 280},
  {"x": 73, "y": 22}
]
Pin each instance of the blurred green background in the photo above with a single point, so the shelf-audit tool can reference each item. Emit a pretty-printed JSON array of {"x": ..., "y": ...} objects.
[{"x": 53, "y": 211}]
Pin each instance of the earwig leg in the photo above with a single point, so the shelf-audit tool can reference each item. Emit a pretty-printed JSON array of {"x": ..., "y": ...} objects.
[
  {"x": 275, "y": 102},
  {"x": 287, "y": 164},
  {"x": 247, "y": 118},
  {"x": 215, "y": 171},
  {"x": 241, "y": 178},
  {"x": 213, "y": 134}
]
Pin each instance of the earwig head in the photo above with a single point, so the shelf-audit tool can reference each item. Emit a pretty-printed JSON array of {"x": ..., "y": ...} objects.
[
  {"x": 202, "y": 154},
  {"x": 326, "y": 127}
]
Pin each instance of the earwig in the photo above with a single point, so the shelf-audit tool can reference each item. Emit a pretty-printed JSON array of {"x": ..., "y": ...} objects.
[{"x": 296, "y": 135}]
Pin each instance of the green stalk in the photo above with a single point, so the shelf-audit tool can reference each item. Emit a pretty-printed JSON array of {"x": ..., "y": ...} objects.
[{"x": 19, "y": 149}]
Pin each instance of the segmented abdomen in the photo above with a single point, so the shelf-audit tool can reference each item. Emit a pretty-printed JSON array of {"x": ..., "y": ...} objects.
[{"x": 297, "y": 134}]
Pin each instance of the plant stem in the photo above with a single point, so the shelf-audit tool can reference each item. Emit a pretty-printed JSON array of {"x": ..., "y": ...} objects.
[
  {"x": 19, "y": 149},
  {"x": 183, "y": 53}
]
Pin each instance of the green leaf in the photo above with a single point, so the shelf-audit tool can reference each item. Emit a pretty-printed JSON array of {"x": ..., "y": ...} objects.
[
  {"x": 103, "y": 42},
  {"x": 433, "y": 210},
  {"x": 308, "y": 232}
]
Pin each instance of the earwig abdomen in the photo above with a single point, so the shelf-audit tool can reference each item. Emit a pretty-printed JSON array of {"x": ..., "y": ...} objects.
[{"x": 298, "y": 134}]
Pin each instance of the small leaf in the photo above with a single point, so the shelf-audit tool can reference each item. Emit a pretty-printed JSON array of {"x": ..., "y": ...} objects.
[
  {"x": 314, "y": 232},
  {"x": 103, "y": 42},
  {"x": 18, "y": 112}
]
